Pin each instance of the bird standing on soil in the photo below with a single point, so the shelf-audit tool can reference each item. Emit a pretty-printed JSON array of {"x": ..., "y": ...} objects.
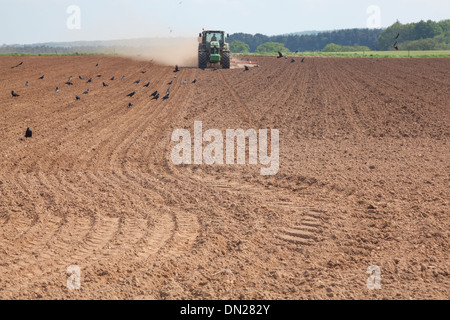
[
  {"x": 156, "y": 97},
  {"x": 166, "y": 97},
  {"x": 123, "y": 77},
  {"x": 40, "y": 78},
  {"x": 104, "y": 84},
  {"x": 246, "y": 68},
  {"x": 176, "y": 69},
  {"x": 112, "y": 79},
  {"x": 26, "y": 84},
  {"x": 303, "y": 60},
  {"x": 86, "y": 92},
  {"x": 154, "y": 93},
  {"x": 89, "y": 81},
  {"x": 137, "y": 81},
  {"x": 28, "y": 133},
  {"x": 170, "y": 83},
  {"x": 77, "y": 98},
  {"x": 69, "y": 83},
  {"x": 131, "y": 94},
  {"x": 195, "y": 81},
  {"x": 70, "y": 78},
  {"x": 99, "y": 76},
  {"x": 14, "y": 94},
  {"x": 147, "y": 84},
  {"x": 57, "y": 90},
  {"x": 168, "y": 91},
  {"x": 184, "y": 82},
  {"x": 130, "y": 104},
  {"x": 81, "y": 78}
]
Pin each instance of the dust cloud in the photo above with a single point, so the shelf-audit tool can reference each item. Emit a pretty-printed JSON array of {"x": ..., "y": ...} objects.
[{"x": 168, "y": 51}]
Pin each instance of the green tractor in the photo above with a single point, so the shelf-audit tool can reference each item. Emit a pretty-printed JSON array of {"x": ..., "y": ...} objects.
[{"x": 213, "y": 50}]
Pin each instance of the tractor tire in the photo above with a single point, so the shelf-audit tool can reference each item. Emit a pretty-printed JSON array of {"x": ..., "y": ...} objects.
[
  {"x": 202, "y": 59},
  {"x": 226, "y": 60}
]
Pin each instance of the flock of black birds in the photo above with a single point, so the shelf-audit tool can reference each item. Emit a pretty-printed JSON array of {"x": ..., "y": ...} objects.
[
  {"x": 280, "y": 55},
  {"x": 155, "y": 95}
]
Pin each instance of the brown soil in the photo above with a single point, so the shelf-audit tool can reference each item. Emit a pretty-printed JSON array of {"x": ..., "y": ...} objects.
[{"x": 363, "y": 180}]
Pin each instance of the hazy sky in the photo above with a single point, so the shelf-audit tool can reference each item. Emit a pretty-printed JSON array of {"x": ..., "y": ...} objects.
[{"x": 33, "y": 21}]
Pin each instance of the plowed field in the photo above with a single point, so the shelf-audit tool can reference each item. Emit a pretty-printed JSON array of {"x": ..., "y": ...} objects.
[{"x": 363, "y": 180}]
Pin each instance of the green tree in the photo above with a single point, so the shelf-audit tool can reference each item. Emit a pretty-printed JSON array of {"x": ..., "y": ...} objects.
[
  {"x": 239, "y": 47},
  {"x": 331, "y": 47},
  {"x": 271, "y": 47}
]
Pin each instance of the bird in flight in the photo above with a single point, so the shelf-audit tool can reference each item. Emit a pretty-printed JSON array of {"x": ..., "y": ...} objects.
[
  {"x": 280, "y": 55},
  {"x": 398, "y": 35},
  {"x": 17, "y": 65}
]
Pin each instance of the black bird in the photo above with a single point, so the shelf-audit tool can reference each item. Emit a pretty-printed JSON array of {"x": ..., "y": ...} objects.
[
  {"x": 176, "y": 69},
  {"x": 195, "y": 80},
  {"x": 69, "y": 83},
  {"x": 26, "y": 84},
  {"x": 81, "y": 78},
  {"x": 154, "y": 93},
  {"x": 398, "y": 35},
  {"x": 170, "y": 83},
  {"x": 86, "y": 92},
  {"x": 70, "y": 78},
  {"x": 130, "y": 104},
  {"x": 77, "y": 97},
  {"x": 104, "y": 84},
  {"x": 123, "y": 77},
  {"x": 143, "y": 72},
  {"x": 17, "y": 65},
  {"x": 28, "y": 133},
  {"x": 96, "y": 65},
  {"x": 40, "y": 78},
  {"x": 156, "y": 97},
  {"x": 280, "y": 55},
  {"x": 14, "y": 94},
  {"x": 146, "y": 85},
  {"x": 112, "y": 79},
  {"x": 293, "y": 60},
  {"x": 246, "y": 68},
  {"x": 395, "y": 43},
  {"x": 166, "y": 97},
  {"x": 296, "y": 51},
  {"x": 131, "y": 94},
  {"x": 396, "y": 48},
  {"x": 89, "y": 81},
  {"x": 57, "y": 90},
  {"x": 99, "y": 75},
  {"x": 303, "y": 60},
  {"x": 137, "y": 81}
]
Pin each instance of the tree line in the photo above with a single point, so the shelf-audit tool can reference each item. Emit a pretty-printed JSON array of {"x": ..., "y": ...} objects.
[{"x": 423, "y": 35}]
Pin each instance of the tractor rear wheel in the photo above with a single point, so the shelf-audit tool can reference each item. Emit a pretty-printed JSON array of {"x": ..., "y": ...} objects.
[
  {"x": 226, "y": 58},
  {"x": 202, "y": 59}
]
